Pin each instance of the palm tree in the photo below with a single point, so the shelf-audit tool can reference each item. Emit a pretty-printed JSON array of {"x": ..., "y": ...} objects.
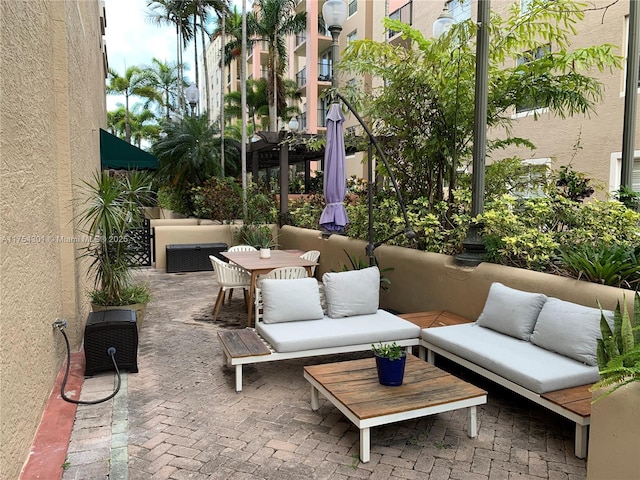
[
  {"x": 174, "y": 12},
  {"x": 274, "y": 22},
  {"x": 166, "y": 80},
  {"x": 116, "y": 120},
  {"x": 257, "y": 103},
  {"x": 143, "y": 125},
  {"x": 135, "y": 82},
  {"x": 190, "y": 153}
]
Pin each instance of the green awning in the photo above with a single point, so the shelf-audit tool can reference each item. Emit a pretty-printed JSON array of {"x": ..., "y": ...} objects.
[{"x": 117, "y": 154}]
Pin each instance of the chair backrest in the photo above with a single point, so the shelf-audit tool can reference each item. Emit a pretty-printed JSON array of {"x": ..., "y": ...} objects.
[
  {"x": 229, "y": 275},
  {"x": 285, "y": 273},
  {"x": 242, "y": 248},
  {"x": 312, "y": 255}
]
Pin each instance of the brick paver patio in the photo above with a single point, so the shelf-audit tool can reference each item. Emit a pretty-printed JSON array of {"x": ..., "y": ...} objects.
[{"x": 180, "y": 417}]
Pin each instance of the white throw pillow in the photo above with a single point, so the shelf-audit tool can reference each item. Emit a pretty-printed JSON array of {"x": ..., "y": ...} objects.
[
  {"x": 355, "y": 292},
  {"x": 290, "y": 300},
  {"x": 510, "y": 311},
  {"x": 569, "y": 329}
]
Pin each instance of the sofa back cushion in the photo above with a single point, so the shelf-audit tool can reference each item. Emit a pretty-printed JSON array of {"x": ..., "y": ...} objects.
[
  {"x": 510, "y": 311},
  {"x": 290, "y": 300},
  {"x": 569, "y": 329},
  {"x": 354, "y": 292}
]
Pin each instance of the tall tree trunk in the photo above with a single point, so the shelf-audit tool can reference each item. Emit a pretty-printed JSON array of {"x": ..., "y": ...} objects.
[
  {"x": 195, "y": 51},
  {"x": 273, "y": 105},
  {"x": 206, "y": 67},
  {"x": 127, "y": 120},
  {"x": 223, "y": 68}
]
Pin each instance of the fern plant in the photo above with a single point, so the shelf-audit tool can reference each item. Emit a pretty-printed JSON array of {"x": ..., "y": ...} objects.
[{"x": 618, "y": 351}]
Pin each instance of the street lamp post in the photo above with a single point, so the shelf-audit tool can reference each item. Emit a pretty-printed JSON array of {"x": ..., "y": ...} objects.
[
  {"x": 193, "y": 95},
  {"x": 473, "y": 244},
  {"x": 334, "y": 13}
]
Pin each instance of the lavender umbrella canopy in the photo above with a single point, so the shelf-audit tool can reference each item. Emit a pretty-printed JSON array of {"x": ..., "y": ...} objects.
[{"x": 334, "y": 216}]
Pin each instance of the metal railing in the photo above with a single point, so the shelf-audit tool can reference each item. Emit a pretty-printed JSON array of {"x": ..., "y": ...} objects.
[
  {"x": 404, "y": 14},
  {"x": 301, "y": 78},
  {"x": 324, "y": 70}
]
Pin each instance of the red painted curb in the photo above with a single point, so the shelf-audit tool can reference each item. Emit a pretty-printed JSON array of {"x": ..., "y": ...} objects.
[{"x": 49, "y": 448}]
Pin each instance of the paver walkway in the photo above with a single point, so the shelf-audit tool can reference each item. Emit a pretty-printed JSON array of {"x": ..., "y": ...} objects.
[{"x": 180, "y": 417}]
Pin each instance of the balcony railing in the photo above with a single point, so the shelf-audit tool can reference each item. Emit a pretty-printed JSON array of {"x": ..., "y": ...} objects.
[
  {"x": 404, "y": 14},
  {"x": 324, "y": 70},
  {"x": 303, "y": 122},
  {"x": 300, "y": 39},
  {"x": 301, "y": 78},
  {"x": 322, "y": 117}
]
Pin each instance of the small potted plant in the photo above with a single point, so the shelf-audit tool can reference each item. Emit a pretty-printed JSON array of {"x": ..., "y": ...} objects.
[
  {"x": 390, "y": 362},
  {"x": 258, "y": 236},
  {"x": 112, "y": 209}
]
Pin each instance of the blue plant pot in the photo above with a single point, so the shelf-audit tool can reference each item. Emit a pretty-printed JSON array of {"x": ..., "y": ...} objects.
[{"x": 390, "y": 372}]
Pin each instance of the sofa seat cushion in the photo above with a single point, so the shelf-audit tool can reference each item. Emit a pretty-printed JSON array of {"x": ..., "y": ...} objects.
[
  {"x": 521, "y": 362},
  {"x": 337, "y": 332}
]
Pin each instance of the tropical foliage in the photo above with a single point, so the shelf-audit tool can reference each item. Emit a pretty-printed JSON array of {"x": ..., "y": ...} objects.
[
  {"x": 430, "y": 109},
  {"x": 111, "y": 208},
  {"x": 618, "y": 350}
]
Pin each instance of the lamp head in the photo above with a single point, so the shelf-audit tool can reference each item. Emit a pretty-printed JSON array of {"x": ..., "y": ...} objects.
[
  {"x": 293, "y": 124},
  {"x": 192, "y": 93},
  {"x": 443, "y": 23},
  {"x": 334, "y": 13}
]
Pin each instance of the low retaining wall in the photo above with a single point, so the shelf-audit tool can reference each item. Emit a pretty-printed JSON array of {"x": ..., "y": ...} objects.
[
  {"x": 422, "y": 281},
  {"x": 182, "y": 234}
]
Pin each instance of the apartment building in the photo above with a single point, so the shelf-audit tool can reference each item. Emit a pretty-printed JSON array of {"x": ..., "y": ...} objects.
[{"x": 590, "y": 144}]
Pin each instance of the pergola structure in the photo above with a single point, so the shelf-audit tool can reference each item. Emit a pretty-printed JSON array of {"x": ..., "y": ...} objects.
[{"x": 268, "y": 150}]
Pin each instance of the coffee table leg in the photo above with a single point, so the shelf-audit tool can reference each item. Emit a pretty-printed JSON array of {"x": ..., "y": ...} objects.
[
  {"x": 238, "y": 378},
  {"x": 473, "y": 422},
  {"x": 365, "y": 444},
  {"x": 315, "y": 401}
]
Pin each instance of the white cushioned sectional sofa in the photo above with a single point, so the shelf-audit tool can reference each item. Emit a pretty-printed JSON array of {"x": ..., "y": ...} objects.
[
  {"x": 528, "y": 342},
  {"x": 300, "y": 318}
]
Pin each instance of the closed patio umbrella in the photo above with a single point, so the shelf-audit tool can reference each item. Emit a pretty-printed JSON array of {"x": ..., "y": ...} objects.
[{"x": 334, "y": 215}]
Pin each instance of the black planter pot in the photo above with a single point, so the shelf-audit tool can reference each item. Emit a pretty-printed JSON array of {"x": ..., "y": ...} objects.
[{"x": 390, "y": 372}]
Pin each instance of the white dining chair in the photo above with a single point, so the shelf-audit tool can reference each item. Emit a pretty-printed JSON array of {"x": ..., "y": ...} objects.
[
  {"x": 312, "y": 255},
  {"x": 283, "y": 273},
  {"x": 242, "y": 248},
  {"x": 229, "y": 277}
]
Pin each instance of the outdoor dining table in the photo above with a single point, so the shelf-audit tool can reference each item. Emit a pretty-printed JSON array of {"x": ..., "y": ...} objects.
[{"x": 256, "y": 266}]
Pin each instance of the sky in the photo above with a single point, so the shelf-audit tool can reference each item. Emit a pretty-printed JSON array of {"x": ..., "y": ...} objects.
[{"x": 133, "y": 40}]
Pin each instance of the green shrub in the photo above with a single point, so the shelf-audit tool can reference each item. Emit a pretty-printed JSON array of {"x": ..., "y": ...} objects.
[
  {"x": 615, "y": 265},
  {"x": 217, "y": 199},
  {"x": 305, "y": 212}
]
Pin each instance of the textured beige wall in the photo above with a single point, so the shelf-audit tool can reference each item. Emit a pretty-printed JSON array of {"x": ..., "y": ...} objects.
[{"x": 51, "y": 108}]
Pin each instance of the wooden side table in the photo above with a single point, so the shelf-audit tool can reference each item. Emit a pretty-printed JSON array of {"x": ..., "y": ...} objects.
[
  {"x": 434, "y": 318},
  {"x": 240, "y": 345}
]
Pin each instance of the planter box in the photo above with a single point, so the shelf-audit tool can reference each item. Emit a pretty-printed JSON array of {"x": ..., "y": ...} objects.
[{"x": 192, "y": 257}]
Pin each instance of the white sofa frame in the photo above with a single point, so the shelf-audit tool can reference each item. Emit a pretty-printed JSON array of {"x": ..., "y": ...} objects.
[
  {"x": 238, "y": 362},
  {"x": 428, "y": 351}
]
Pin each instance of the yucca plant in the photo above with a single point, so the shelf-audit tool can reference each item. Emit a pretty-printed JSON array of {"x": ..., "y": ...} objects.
[
  {"x": 615, "y": 265},
  {"x": 618, "y": 351},
  {"x": 112, "y": 209}
]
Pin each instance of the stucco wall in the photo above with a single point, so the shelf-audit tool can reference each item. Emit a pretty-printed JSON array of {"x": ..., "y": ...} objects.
[
  {"x": 51, "y": 108},
  {"x": 423, "y": 281}
]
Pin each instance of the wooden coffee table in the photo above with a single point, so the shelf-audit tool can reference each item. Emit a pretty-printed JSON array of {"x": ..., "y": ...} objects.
[{"x": 353, "y": 388}]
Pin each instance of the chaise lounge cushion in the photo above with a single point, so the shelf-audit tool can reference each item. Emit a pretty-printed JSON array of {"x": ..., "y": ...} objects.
[
  {"x": 521, "y": 362},
  {"x": 337, "y": 332},
  {"x": 290, "y": 300},
  {"x": 354, "y": 292},
  {"x": 569, "y": 329},
  {"x": 510, "y": 311}
]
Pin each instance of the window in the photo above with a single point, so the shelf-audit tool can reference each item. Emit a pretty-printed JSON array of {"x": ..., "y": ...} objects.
[
  {"x": 528, "y": 57},
  {"x": 353, "y": 7},
  {"x": 324, "y": 66},
  {"x": 460, "y": 10},
  {"x": 352, "y": 36},
  {"x": 615, "y": 172},
  {"x": 532, "y": 181}
]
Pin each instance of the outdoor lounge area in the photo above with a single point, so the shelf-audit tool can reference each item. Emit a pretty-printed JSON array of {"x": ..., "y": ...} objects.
[
  {"x": 184, "y": 419},
  {"x": 180, "y": 416}
]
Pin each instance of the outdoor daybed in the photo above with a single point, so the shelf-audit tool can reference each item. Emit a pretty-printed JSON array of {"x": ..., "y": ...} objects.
[
  {"x": 529, "y": 343},
  {"x": 292, "y": 322}
]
